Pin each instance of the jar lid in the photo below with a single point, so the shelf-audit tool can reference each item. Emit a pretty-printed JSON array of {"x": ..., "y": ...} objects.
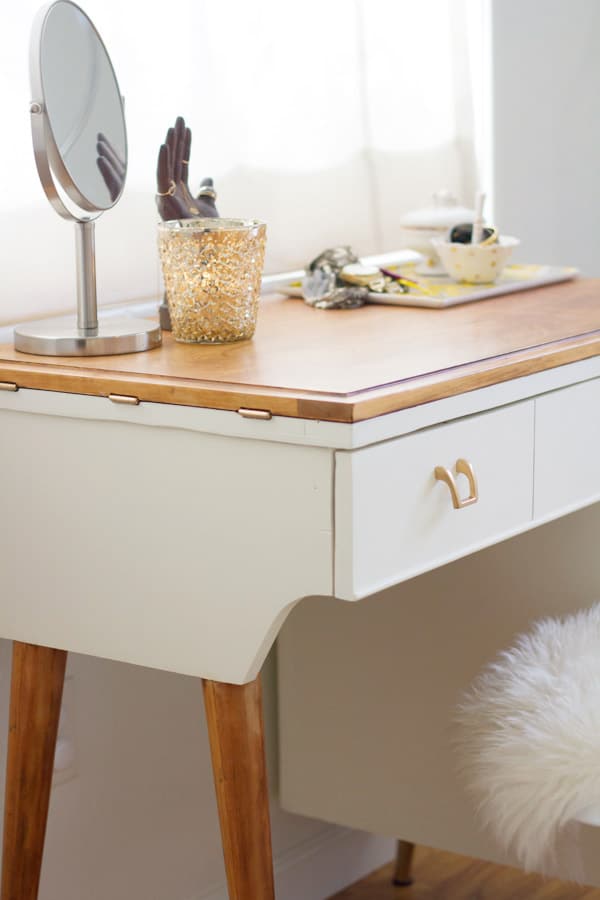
[{"x": 444, "y": 213}]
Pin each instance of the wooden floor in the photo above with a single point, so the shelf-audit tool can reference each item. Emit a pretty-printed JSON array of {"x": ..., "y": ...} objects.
[{"x": 445, "y": 876}]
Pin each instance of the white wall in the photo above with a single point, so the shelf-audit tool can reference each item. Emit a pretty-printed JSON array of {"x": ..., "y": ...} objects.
[
  {"x": 138, "y": 821},
  {"x": 321, "y": 152},
  {"x": 546, "y": 75}
]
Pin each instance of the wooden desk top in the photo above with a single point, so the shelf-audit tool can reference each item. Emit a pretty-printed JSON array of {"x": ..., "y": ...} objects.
[{"x": 342, "y": 365}]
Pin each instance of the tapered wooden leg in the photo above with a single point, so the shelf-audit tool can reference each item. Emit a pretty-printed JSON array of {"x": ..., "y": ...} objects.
[
  {"x": 235, "y": 727},
  {"x": 402, "y": 869},
  {"x": 38, "y": 675}
]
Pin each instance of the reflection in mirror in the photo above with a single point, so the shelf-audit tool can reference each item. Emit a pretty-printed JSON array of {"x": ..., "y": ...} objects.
[
  {"x": 82, "y": 102},
  {"x": 111, "y": 166}
]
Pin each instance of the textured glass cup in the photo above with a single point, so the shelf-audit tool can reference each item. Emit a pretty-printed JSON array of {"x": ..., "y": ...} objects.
[{"x": 212, "y": 270}]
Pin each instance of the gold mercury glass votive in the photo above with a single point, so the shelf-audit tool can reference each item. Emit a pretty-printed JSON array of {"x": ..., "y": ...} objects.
[{"x": 212, "y": 270}]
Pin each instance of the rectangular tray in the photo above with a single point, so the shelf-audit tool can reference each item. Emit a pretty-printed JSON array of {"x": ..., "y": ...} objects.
[{"x": 440, "y": 291}]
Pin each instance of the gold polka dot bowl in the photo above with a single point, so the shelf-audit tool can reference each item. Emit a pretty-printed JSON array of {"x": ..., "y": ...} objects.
[
  {"x": 475, "y": 263},
  {"x": 212, "y": 270}
]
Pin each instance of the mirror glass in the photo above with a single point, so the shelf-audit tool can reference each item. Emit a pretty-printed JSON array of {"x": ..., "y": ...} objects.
[{"x": 84, "y": 108}]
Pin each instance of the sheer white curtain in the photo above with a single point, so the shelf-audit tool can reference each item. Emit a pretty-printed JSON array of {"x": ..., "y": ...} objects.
[{"x": 327, "y": 118}]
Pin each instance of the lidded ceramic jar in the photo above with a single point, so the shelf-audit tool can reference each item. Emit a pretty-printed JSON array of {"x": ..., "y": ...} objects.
[{"x": 419, "y": 227}]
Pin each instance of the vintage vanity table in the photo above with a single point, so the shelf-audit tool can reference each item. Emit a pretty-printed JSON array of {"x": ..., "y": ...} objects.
[{"x": 169, "y": 508}]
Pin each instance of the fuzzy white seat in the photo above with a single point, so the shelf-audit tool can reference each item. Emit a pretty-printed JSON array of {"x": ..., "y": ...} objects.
[{"x": 530, "y": 741}]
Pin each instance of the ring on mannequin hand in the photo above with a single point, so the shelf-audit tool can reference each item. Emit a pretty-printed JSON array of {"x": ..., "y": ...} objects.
[
  {"x": 170, "y": 192},
  {"x": 207, "y": 191}
]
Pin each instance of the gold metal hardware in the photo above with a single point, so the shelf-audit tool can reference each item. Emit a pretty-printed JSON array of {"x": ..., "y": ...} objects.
[
  {"x": 462, "y": 467},
  {"x": 255, "y": 413},
  {"x": 8, "y": 386},
  {"x": 124, "y": 398}
]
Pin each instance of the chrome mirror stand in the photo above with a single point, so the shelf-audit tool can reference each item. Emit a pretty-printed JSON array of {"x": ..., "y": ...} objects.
[{"x": 85, "y": 335}]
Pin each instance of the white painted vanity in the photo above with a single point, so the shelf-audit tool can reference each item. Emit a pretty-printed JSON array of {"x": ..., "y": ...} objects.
[{"x": 170, "y": 508}]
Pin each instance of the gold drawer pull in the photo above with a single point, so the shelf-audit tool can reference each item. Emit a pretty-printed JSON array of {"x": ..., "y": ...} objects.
[
  {"x": 124, "y": 398},
  {"x": 462, "y": 467},
  {"x": 255, "y": 413}
]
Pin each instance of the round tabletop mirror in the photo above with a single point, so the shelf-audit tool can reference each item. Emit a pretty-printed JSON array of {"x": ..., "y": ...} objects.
[
  {"x": 80, "y": 146},
  {"x": 85, "y": 113}
]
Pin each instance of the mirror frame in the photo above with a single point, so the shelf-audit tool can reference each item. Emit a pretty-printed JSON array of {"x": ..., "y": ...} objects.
[{"x": 48, "y": 160}]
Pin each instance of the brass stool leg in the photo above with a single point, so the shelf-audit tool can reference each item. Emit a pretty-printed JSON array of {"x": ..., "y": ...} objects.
[{"x": 402, "y": 870}]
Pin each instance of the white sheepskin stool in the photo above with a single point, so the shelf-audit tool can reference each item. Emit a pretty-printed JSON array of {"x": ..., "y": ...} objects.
[{"x": 529, "y": 741}]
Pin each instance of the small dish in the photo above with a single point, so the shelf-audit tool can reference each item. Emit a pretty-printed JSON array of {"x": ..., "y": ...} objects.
[
  {"x": 419, "y": 227},
  {"x": 475, "y": 263}
]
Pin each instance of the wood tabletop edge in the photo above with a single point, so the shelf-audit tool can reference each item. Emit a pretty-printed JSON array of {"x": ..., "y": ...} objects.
[
  {"x": 345, "y": 367},
  {"x": 466, "y": 379},
  {"x": 354, "y": 406}
]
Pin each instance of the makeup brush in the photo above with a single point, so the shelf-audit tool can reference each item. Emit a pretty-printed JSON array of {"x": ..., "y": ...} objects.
[{"x": 477, "y": 232}]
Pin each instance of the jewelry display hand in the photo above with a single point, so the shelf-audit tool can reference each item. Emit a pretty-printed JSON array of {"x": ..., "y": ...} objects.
[
  {"x": 111, "y": 166},
  {"x": 173, "y": 196}
]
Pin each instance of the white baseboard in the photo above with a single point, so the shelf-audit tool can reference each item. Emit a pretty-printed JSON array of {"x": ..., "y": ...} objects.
[{"x": 319, "y": 867}]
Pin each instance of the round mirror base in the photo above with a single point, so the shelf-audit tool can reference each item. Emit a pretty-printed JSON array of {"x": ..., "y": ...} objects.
[{"x": 62, "y": 337}]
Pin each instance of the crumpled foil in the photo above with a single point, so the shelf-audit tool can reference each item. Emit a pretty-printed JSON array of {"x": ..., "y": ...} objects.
[{"x": 322, "y": 286}]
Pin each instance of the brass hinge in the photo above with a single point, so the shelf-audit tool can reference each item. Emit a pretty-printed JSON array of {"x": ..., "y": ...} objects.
[
  {"x": 124, "y": 398},
  {"x": 8, "y": 386},
  {"x": 255, "y": 413}
]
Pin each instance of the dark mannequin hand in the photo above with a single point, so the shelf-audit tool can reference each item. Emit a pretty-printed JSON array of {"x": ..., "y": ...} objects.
[{"x": 173, "y": 198}]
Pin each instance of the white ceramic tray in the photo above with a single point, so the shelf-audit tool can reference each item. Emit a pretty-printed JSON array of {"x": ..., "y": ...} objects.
[{"x": 438, "y": 292}]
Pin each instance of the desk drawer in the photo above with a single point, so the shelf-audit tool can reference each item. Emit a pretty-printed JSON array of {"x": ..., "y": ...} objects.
[
  {"x": 567, "y": 448},
  {"x": 393, "y": 518}
]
